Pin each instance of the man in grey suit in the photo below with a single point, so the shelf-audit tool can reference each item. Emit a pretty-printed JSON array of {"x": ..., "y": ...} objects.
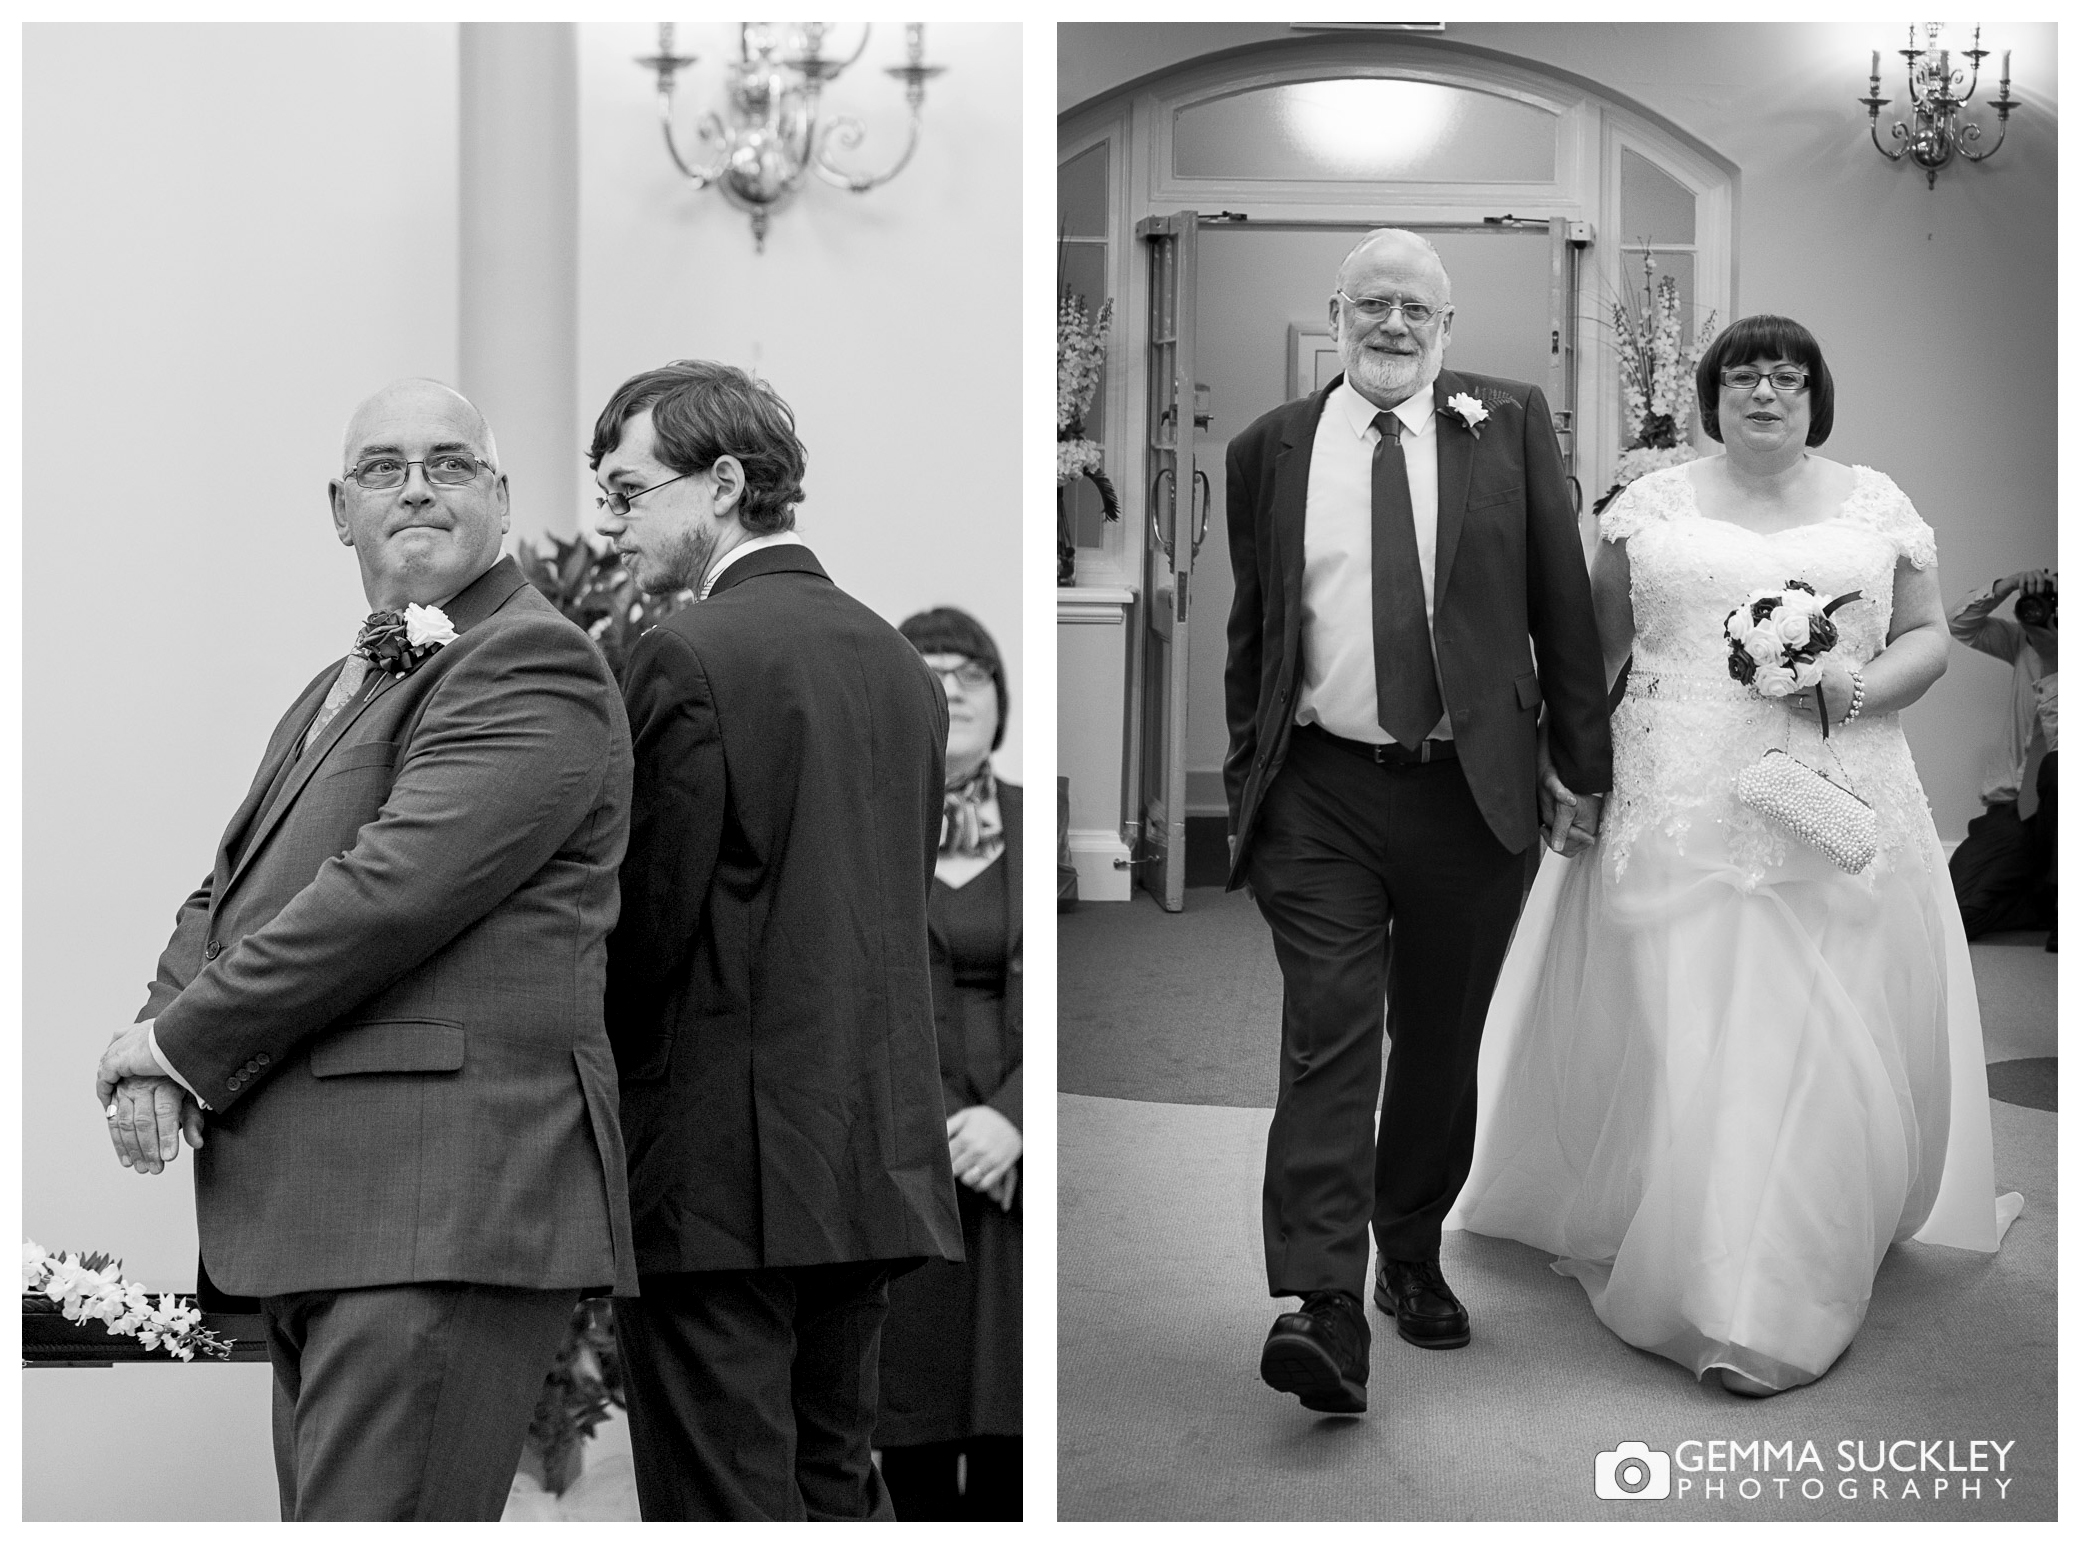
[{"x": 379, "y": 1018}]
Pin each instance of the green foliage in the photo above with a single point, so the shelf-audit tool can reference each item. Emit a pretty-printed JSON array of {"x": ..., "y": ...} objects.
[{"x": 589, "y": 585}]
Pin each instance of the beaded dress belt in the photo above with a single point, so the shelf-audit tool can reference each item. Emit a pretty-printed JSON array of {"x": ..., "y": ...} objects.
[
  {"x": 1671, "y": 686},
  {"x": 1391, "y": 754}
]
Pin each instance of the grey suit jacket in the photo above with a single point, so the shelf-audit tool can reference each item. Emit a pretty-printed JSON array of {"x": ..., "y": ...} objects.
[{"x": 389, "y": 986}]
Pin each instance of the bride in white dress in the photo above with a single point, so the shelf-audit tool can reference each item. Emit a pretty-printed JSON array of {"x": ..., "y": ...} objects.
[{"x": 1721, "y": 1075}]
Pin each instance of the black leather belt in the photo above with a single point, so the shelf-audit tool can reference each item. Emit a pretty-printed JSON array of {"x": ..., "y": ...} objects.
[{"x": 1389, "y": 754}]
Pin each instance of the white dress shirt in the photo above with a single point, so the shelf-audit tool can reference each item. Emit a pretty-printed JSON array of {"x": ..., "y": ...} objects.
[{"x": 1339, "y": 689}]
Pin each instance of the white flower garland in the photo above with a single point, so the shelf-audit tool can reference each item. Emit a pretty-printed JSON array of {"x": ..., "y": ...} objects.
[{"x": 86, "y": 1291}]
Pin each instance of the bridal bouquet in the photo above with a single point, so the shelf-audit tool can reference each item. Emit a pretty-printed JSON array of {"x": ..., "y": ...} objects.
[
  {"x": 92, "y": 1287},
  {"x": 1775, "y": 639}
]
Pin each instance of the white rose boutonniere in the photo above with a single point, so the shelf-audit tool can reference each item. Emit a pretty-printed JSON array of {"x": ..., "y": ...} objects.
[
  {"x": 1469, "y": 411},
  {"x": 427, "y": 625}
]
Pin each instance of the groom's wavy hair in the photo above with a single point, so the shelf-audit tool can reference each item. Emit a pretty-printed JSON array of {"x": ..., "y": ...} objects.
[
  {"x": 703, "y": 410},
  {"x": 1767, "y": 337}
]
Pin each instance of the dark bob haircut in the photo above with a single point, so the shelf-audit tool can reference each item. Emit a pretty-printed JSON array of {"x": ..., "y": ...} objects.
[
  {"x": 704, "y": 411},
  {"x": 944, "y": 630},
  {"x": 1759, "y": 338}
]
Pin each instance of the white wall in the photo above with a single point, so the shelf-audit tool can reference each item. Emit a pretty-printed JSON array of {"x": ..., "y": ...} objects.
[
  {"x": 1937, "y": 308},
  {"x": 887, "y": 320}
]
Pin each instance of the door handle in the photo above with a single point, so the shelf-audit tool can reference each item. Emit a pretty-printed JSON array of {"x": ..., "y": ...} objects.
[
  {"x": 1205, "y": 489},
  {"x": 1156, "y": 512}
]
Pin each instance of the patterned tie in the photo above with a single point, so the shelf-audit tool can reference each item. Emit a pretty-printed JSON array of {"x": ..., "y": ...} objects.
[
  {"x": 344, "y": 686},
  {"x": 1404, "y": 670}
]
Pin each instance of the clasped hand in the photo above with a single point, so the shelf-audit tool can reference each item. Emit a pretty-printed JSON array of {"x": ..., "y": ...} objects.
[
  {"x": 1567, "y": 820},
  {"x": 985, "y": 1149},
  {"x": 147, "y": 1113}
]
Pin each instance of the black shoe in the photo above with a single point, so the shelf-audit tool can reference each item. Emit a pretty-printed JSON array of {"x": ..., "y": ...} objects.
[
  {"x": 1318, "y": 1353},
  {"x": 1425, "y": 1312}
]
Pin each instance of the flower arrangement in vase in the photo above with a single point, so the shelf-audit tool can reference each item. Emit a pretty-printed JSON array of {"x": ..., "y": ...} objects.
[
  {"x": 1657, "y": 368},
  {"x": 1080, "y": 356}
]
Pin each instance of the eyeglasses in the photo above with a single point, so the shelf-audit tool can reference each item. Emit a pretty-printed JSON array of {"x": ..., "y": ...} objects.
[
  {"x": 450, "y": 468},
  {"x": 1789, "y": 379},
  {"x": 1374, "y": 309},
  {"x": 614, "y": 502},
  {"x": 969, "y": 673}
]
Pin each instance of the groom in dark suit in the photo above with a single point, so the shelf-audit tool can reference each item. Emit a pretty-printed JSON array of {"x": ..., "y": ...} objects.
[
  {"x": 769, "y": 985},
  {"x": 1403, "y": 542},
  {"x": 380, "y": 1014}
]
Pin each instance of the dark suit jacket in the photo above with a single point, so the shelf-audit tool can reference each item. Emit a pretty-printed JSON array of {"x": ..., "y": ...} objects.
[
  {"x": 769, "y": 985},
  {"x": 389, "y": 987},
  {"x": 1003, "y": 1087},
  {"x": 1509, "y": 576}
]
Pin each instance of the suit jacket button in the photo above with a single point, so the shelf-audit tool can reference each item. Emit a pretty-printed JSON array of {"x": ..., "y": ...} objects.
[
  {"x": 212, "y": 950},
  {"x": 232, "y": 1082},
  {"x": 252, "y": 1068},
  {"x": 261, "y": 1059}
]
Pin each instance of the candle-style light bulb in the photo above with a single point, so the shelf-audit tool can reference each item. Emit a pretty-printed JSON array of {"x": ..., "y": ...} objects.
[
  {"x": 1875, "y": 67},
  {"x": 2005, "y": 72}
]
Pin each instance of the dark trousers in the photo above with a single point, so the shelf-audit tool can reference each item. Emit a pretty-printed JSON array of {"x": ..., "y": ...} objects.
[
  {"x": 752, "y": 1394},
  {"x": 1348, "y": 853},
  {"x": 2005, "y": 871},
  {"x": 961, "y": 1480},
  {"x": 408, "y": 1402}
]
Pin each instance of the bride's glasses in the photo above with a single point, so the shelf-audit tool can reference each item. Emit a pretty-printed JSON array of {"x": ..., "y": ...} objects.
[{"x": 1787, "y": 379}]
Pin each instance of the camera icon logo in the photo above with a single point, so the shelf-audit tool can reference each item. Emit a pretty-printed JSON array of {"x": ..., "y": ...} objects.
[{"x": 1633, "y": 1472}]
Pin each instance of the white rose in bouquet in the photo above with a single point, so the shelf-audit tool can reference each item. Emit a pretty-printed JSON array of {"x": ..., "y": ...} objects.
[
  {"x": 1764, "y": 643},
  {"x": 1774, "y": 680},
  {"x": 1794, "y": 624}
]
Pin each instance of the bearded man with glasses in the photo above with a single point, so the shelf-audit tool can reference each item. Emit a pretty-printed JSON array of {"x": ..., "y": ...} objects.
[
  {"x": 769, "y": 986},
  {"x": 379, "y": 1019},
  {"x": 1402, "y": 541}
]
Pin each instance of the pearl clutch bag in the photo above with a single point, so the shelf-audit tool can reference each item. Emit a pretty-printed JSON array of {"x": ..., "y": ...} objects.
[{"x": 1812, "y": 807}]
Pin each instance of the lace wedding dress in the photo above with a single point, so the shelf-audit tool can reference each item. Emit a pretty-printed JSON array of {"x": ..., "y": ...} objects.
[{"x": 1720, "y": 1076}]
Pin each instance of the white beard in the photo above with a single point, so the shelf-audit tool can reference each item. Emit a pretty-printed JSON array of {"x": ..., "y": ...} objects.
[{"x": 1394, "y": 377}]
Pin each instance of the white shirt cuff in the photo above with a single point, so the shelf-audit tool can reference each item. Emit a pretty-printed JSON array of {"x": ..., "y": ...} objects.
[{"x": 172, "y": 1072}]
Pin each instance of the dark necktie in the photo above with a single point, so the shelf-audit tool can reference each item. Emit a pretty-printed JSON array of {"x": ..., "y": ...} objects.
[{"x": 1404, "y": 671}]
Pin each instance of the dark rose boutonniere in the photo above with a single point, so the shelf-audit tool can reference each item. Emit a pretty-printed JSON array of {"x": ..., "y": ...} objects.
[
  {"x": 398, "y": 642},
  {"x": 1469, "y": 411}
]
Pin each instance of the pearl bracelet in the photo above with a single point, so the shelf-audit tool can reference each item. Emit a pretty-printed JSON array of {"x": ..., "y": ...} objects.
[{"x": 1856, "y": 695}]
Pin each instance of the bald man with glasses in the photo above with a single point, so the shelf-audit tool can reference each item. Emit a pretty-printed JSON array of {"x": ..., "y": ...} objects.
[
  {"x": 379, "y": 1020},
  {"x": 1411, "y": 631}
]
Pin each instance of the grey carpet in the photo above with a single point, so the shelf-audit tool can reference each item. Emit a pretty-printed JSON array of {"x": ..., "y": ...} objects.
[
  {"x": 1162, "y": 1311},
  {"x": 1184, "y": 1007}
]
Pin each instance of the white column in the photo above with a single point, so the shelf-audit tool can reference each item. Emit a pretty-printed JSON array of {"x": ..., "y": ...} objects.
[{"x": 518, "y": 353}]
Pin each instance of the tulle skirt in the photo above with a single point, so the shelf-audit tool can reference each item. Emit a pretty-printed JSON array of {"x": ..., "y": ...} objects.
[{"x": 1718, "y": 1103}]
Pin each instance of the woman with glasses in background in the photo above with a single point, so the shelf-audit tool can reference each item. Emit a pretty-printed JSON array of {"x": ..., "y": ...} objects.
[
  {"x": 1723, "y": 1072},
  {"x": 950, "y": 1372}
]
